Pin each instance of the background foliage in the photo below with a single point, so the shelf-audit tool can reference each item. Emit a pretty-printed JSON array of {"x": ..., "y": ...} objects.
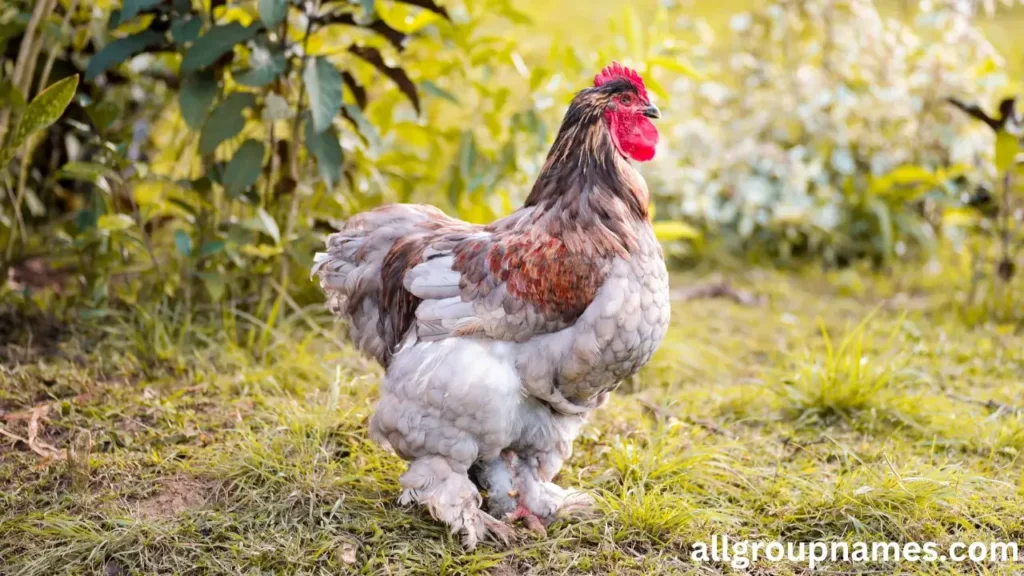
[
  {"x": 174, "y": 398},
  {"x": 210, "y": 145}
]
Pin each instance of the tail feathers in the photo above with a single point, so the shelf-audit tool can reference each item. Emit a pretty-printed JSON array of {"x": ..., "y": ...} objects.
[{"x": 350, "y": 269}]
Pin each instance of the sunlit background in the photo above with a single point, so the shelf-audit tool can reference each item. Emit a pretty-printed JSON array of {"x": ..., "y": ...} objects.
[
  {"x": 837, "y": 190},
  {"x": 792, "y": 131}
]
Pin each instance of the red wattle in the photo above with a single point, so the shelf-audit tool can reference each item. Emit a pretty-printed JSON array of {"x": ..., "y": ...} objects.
[{"x": 634, "y": 135}]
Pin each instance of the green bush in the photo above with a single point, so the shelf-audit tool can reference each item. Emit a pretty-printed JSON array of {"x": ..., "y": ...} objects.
[
  {"x": 211, "y": 149},
  {"x": 822, "y": 129}
]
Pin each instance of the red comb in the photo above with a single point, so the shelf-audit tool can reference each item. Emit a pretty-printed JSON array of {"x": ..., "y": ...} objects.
[{"x": 616, "y": 70}]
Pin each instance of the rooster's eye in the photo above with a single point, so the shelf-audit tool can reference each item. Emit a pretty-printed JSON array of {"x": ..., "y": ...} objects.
[{"x": 626, "y": 100}]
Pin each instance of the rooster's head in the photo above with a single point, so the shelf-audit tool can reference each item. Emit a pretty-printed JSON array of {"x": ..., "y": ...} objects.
[
  {"x": 621, "y": 93},
  {"x": 604, "y": 124}
]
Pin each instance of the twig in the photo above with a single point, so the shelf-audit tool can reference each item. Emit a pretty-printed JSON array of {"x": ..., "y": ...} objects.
[
  {"x": 48, "y": 67},
  {"x": 718, "y": 289},
  {"x": 28, "y": 73},
  {"x": 19, "y": 197},
  {"x": 658, "y": 411},
  {"x": 296, "y": 309},
  {"x": 37, "y": 445},
  {"x": 997, "y": 407},
  {"x": 14, "y": 437},
  {"x": 293, "y": 152},
  {"x": 146, "y": 240},
  {"x": 293, "y": 167},
  {"x": 34, "y": 443},
  {"x": 662, "y": 413}
]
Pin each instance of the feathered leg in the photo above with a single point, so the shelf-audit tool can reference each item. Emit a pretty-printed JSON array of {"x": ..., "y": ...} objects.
[
  {"x": 451, "y": 498},
  {"x": 540, "y": 501},
  {"x": 496, "y": 477}
]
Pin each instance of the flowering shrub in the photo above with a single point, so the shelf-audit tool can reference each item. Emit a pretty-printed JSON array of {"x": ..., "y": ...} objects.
[{"x": 821, "y": 127}]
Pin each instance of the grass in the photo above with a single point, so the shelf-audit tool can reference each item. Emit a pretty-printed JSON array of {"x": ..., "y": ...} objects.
[{"x": 826, "y": 414}]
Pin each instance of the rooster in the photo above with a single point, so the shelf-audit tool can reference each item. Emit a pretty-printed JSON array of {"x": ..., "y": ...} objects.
[{"x": 498, "y": 341}]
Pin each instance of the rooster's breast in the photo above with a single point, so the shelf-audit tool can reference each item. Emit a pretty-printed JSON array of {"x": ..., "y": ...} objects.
[{"x": 622, "y": 327}]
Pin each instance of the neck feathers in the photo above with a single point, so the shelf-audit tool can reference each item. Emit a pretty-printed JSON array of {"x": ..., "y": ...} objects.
[{"x": 583, "y": 167}]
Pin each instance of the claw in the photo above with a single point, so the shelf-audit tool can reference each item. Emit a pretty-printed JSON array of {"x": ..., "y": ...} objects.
[{"x": 498, "y": 529}]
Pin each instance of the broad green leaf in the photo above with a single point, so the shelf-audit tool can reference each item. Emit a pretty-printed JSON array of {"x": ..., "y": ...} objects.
[
  {"x": 408, "y": 21},
  {"x": 183, "y": 242},
  {"x": 131, "y": 8},
  {"x": 90, "y": 172},
  {"x": 264, "y": 222},
  {"x": 43, "y": 111},
  {"x": 185, "y": 31},
  {"x": 327, "y": 150},
  {"x": 214, "y": 282},
  {"x": 273, "y": 12},
  {"x": 323, "y": 84},
  {"x": 269, "y": 225},
  {"x": 115, "y": 19},
  {"x": 121, "y": 50},
  {"x": 265, "y": 65},
  {"x": 198, "y": 91},
  {"x": 115, "y": 222},
  {"x": 1007, "y": 146},
  {"x": 244, "y": 168},
  {"x": 225, "y": 122},
  {"x": 365, "y": 127},
  {"x": 211, "y": 248},
  {"x": 671, "y": 231},
  {"x": 275, "y": 108},
  {"x": 217, "y": 42}
]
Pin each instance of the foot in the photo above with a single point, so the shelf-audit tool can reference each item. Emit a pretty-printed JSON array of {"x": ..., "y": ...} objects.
[
  {"x": 550, "y": 502},
  {"x": 576, "y": 504},
  {"x": 467, "y": 518},
  {"x": 539, "y": 503},
  {"x": 484, "y": 525},
  {"x": 452, "y": 498},
  {"x": 532, "y": 521}
]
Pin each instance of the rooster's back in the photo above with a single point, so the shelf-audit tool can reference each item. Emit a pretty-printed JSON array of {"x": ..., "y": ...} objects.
[{"x": 352, "y": 270}]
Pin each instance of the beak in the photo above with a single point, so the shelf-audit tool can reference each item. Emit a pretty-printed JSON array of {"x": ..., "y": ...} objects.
[{"x": 651, "y": 111}]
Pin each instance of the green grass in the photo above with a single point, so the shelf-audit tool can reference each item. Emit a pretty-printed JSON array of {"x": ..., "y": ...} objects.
[{"x": 830, "y": 413}]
